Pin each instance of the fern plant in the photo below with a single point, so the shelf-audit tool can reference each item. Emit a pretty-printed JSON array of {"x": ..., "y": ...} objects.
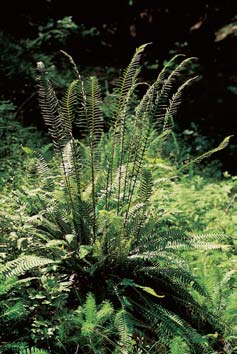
[
  {"x": 99, "y": 224},
  {"x": 33, "y": 350}
]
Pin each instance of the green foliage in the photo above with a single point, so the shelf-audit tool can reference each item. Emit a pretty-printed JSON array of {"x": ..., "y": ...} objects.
[
  {"x": 178, "y": 346},
  {"x": 33, "y": 49},
  {"x": 22, "y": 264},
  {"x": 125, "y": 327},
  {"x": 98, "y": 233},
  {"x": 114, "y": 220},
  {"x": 33, "y": 350},
  {"x": 15, "y": 144}
]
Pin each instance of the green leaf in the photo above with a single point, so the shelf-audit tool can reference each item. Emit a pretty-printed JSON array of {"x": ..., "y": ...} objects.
[
  {"x": 69, "y": 238},
  {"x": 27, "y": 150},
  {"x": 149, "y": 290},
  {"x": 84, "y": 251}
]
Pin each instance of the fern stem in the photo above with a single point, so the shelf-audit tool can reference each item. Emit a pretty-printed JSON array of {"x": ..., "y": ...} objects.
[
  {"x": 109, "y": 177},
  {"x": 122, "y": 138}
]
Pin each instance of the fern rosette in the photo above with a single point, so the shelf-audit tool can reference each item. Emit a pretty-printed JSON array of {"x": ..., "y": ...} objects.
[{"x": 99, "y": 225}]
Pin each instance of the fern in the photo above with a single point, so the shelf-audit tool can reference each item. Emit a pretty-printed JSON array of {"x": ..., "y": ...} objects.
[
  {"x": 14, "y": 312},
  {"x": 107, "y": 208},
  {"x": 69, "y": 104},
  {"x": 94, "y": 124},
  {"x": 207, "y": 154},
  {"x": 59, "y": 128},
  {"x": 90, "y": 315},
  {"x": 162, "y": 98},
  {"x": 23, "y": 264},
  {"x": 178, "y": 346},
  {"x": 124, "y": 325},
  {"x": 146, "y": 184},
  {"x": 59, "y": 125},
  {"x": 124, "y": 89},
  {"x": 173, "y": 106},
  {"x": 33, "y": 350}
]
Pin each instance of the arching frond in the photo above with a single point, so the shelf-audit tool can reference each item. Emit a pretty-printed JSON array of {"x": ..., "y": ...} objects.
[
  {"x": 23, "y": 264},
  {"x": 167, "y": 324},
  {"x": 207, "y": 154},
  {"x": 174, "y": 103},
  {"x": 162, "y": 99}
]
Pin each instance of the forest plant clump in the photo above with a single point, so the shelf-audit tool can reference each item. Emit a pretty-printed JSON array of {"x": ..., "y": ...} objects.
[{"x": 98, "y": 233}]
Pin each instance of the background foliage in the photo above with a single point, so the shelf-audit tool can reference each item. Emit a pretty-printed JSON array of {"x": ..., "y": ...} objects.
[{"x": 205, "y": 29}]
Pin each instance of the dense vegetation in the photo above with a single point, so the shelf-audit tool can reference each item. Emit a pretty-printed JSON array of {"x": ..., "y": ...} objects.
[{"x": 113, "y": 240}]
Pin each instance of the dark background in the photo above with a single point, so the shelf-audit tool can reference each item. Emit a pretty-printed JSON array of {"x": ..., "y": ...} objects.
[{"x": 204, "y": 29}]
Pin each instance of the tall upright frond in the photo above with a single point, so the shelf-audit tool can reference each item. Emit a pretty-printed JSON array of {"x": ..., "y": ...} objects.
[
  {"x": 51, "y": 110},
  {"x": 59, "y": 125},
  {"x": 69, "y": 105},
  {"x": 123, "y": 93}
]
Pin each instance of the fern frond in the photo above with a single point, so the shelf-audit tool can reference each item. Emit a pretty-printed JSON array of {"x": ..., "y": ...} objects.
[
  {"x": 59, "y": 125},
  {"x": 44, "y": 170},
  {"x": 90, "y": 122},
  {"x": 126, "y": 82},
  {"x": 135, "y": 221},
  {"x": 137, "y": 158},
  {"x": 6, "y": 284},
  {"x": 166, "y": 69},
  {"x": 33, "y": 350},
  {"x": 105, "y": 312},
  {"x": 14, "y": 312},
  {"x": 182, "y": 275},
  {"x": 162, "y": 241},
  {"x": 69, "y": 105},
  {"x": 67, "y": 157},
  {"x": 162, "y": 99},
  {"x": 207, "y": 154},
  {"x": 167, "y": 324},
  {"x": 124, "y": 325},
  {"x": 178, "y": 346},
  {"x": 94, "y": 102},
  {"x": 22, "y": 264},
  {"x": 123, "y": 92},
  {"x": 174, "y": 103},
  {"x": 146, "y": 184},
  {"x": 73, "y": 64},
  {"x": 90, "y": 309},
  {"x": 51, "y": 111}
]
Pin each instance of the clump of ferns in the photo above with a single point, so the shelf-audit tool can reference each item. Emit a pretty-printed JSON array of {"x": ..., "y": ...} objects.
[{"x": 101, "y": 227}]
